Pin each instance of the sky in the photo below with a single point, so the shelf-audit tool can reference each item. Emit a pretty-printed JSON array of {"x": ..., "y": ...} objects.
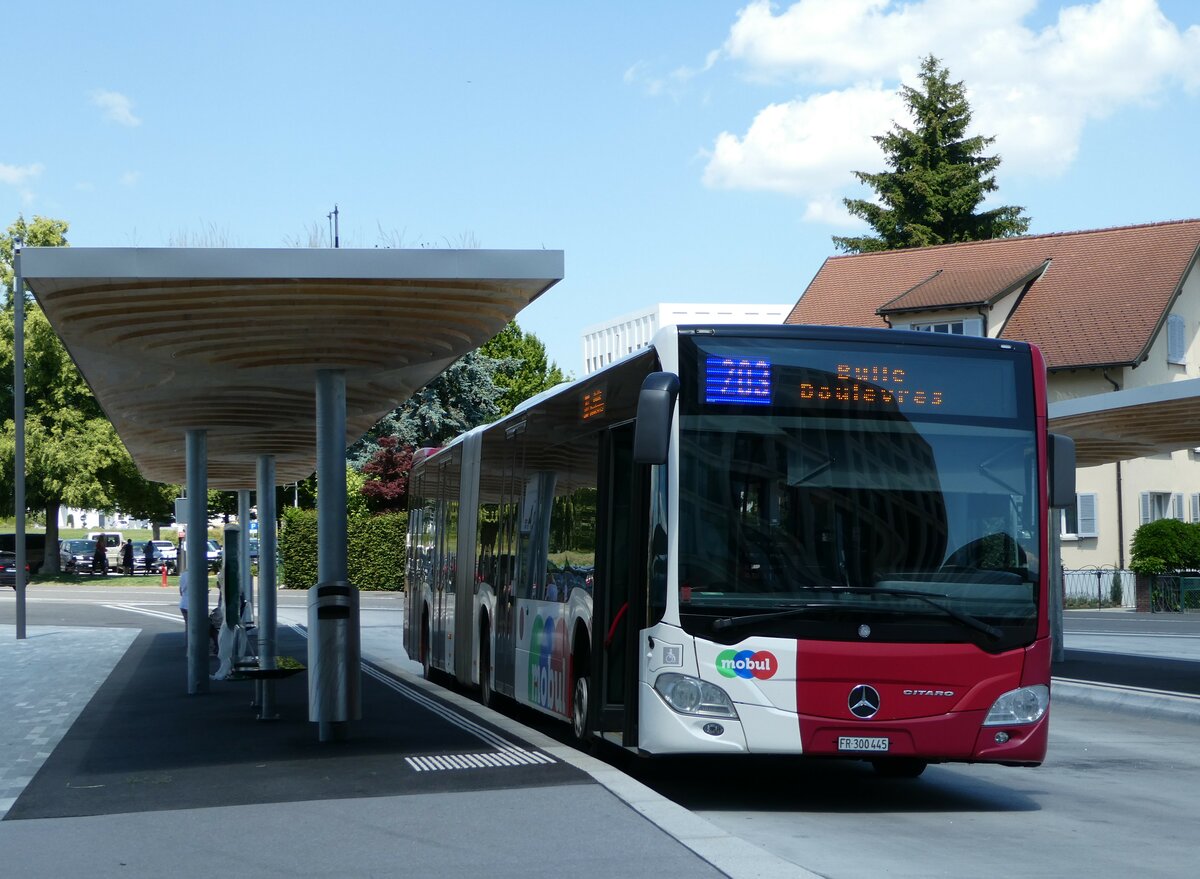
[{"x": 675, "y": 150}]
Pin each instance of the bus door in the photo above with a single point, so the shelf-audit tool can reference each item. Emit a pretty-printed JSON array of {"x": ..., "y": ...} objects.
[
  {"x": 511, "y": 493},
  {"x": 619, "y": 602}
]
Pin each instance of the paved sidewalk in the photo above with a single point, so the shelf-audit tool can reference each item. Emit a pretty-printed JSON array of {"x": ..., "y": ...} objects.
[{"x": 128, "y": 776}]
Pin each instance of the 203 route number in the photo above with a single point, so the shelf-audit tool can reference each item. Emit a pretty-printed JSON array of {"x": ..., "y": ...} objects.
[{"x": 862, "y": 743}]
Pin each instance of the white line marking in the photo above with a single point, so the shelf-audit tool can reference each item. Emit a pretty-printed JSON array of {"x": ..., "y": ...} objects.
[{"x": 150, "y": 613}]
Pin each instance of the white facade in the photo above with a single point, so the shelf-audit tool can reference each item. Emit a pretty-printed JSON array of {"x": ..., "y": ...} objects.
[{"x": 607, "y": 342}]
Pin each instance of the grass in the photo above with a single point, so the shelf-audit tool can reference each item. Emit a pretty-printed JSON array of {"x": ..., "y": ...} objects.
[{"x": 113, "y": 580}]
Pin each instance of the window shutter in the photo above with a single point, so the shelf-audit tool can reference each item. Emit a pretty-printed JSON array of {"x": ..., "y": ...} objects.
[
  {"x": 1175, "y": 339},
  {"x": 1177, "y": 511},
  {"x": 1087, "y": 515},
  {"x": 1144, "y": 499},
  {"x": 1196, "y": 508}
]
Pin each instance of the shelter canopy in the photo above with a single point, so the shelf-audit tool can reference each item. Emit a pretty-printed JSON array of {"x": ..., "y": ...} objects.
[
  {"x": 1131, "y": 423},
  {"x": 230, "y": 340}
]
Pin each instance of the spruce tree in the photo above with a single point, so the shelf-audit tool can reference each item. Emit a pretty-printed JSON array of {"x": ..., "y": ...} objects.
[{"x": 937, "y": 179}]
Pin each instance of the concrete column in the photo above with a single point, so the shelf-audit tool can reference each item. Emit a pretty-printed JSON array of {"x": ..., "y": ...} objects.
[
  {"x": 267, "y": 586},
  {"x": 197, "y": 560}
]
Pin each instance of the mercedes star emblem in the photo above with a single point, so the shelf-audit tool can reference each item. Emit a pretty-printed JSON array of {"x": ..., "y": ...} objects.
[{"x": 863, "y": 701}]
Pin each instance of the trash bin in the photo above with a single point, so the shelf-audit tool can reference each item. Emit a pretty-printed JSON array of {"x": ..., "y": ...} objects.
[{"x": 334, "y": 654}]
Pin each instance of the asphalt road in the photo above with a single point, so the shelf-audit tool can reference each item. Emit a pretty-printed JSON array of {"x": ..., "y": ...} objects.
[{"x": 1113, "y": 799}]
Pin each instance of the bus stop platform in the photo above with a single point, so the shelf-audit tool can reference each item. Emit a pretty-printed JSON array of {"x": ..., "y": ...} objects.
[{"x": 109, "y": 768}]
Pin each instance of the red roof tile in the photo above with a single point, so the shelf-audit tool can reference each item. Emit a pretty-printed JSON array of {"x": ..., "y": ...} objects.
[{"x": 1099, "y": 302}]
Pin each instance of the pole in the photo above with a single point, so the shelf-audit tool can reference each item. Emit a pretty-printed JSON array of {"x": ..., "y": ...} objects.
[
  {"x": 197, "y": 560},
  {"x": 267, "y": 617},
  {"x": 19, "y": 430}
]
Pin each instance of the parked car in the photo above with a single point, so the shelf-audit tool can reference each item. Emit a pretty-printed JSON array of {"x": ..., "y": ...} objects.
[
  {"x": 75, "y": 555},
  {"x": 112, "y": 546},
  {"x": 35, "y": 548},
  {"x": 8, "y": 569},
  {"x": 214, "y": 555},
  {"x": 165, "y": 551}
]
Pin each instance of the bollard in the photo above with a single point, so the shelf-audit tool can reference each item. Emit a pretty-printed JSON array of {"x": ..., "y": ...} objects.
[{"x": 164, "y": 577}]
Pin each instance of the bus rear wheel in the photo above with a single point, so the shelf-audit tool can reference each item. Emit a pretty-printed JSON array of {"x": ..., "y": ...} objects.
[
  {"x": 426, "y": 659},
  {"x": 486, "y": 694},
  {"x": 580, "y": 727}
]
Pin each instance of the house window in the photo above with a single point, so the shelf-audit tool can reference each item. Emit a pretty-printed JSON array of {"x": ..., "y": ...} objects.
[
  {"x": 1080, "y": 520},
  {"x": 1176, "y": 344},
  {"x": 1157, "y": 505},
  {"x": 971, "y": 326}
]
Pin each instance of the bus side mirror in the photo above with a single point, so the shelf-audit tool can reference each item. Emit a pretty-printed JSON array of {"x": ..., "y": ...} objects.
[
  {"x": 1061, "y": 466},
  {"x": 652, "y": 432}
]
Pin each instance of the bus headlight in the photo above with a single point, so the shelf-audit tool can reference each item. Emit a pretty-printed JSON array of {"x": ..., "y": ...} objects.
[
  {"x": 689, "y": 695},
  {"x": 1026, "y": 705}
]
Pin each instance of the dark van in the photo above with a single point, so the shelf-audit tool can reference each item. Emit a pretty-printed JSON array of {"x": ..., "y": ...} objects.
[{"x": 35, "y": 548}]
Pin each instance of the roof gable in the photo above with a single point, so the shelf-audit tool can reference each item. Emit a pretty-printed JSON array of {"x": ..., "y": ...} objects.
[{"x": 1099, "y": 302}]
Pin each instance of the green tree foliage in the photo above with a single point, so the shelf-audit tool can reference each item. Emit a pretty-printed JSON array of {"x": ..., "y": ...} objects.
[
  {"x": 938, "y": 176},
  {"x": 73, "y": 454},
  {"x": 1165, "y": 546},
  {"x": 462, "y": 397},
  {"x": 523, "y": 370},
  {"x": 478, "y": 388}
]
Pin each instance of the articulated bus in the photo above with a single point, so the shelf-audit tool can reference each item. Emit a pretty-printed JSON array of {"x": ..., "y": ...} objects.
[{"x": 823, "y": 541}]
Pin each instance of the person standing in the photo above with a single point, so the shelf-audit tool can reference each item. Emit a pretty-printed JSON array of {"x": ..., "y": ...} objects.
[
  {"x": 149, "y": 557},
  {"x": 127, "y": 557},
  {"x": 100, "y": 557}
]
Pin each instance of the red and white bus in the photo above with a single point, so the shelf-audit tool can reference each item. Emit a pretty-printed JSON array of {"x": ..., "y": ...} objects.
[{"x": 758, "y": 540}]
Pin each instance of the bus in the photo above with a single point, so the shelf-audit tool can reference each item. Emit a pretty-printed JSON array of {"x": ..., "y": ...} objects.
[{"x": 822, "y": 541}]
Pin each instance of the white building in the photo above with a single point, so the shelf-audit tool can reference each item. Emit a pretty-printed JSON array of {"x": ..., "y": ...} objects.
[{"x": 606, "y": 342}]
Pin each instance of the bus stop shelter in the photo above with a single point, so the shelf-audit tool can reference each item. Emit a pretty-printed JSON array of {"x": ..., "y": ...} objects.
[{"x": 242, "y": 369}]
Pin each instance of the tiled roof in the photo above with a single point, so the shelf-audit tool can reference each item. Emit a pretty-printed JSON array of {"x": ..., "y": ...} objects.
[
  {"x": 1099, "y": 302},
  {"x": 962, "y": 287}
]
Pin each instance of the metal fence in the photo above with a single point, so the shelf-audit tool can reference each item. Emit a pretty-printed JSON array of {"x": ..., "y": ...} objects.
[{"x": 1098, "y": 586}]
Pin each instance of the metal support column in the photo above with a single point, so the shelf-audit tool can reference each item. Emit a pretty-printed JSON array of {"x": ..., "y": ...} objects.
[
  {"x": 267, "y": 617},
  {"x": 243, "y": 551},
  {"x": 197, "y": 560},
  {"x": 21, "y": 581},
  {"x": 334, "y": 660}
]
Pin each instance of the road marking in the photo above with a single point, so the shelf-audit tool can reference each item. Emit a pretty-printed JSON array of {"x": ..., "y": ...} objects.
[
  {"x": 150, "y": 613},
  {"x": 484, "y": 760}
]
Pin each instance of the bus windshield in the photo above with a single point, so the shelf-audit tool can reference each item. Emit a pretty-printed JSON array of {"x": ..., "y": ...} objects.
[{"x": 825, "y": 481}]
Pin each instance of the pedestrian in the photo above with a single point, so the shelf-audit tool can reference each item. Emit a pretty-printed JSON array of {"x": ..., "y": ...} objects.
[
  {"x": 100, "y": 557},
  {"x": 127, "y": 557},
  {"x": 149, "y": 557},
  {"x": 183, "y": 602}
]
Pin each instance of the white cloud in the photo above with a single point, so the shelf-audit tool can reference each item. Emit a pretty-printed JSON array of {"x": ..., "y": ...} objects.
[
  {"x": 129, "y": 178},
  {"x": 1034, "y": 90},
  {"x": 19, "y": 175},
  {"x": 806, "y": 147},
  {"x": 116, "y": 108}
]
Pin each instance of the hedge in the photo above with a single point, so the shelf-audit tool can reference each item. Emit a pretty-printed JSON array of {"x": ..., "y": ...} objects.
[{"x": 374, "y": 549}]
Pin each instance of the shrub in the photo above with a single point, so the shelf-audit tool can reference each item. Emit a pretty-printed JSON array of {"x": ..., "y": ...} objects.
[
  {"x": 1164, "y": 546},
  {"x": 374, "y": 549}
]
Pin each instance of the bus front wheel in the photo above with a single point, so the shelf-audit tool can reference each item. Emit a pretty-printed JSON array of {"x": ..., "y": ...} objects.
[{"x": 486, "y": 695}]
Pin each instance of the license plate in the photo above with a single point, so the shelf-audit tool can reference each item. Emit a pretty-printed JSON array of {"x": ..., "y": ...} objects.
[{"x": 862, "y": 743}]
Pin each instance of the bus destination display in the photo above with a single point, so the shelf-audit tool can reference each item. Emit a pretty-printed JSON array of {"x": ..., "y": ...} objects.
[
  {"x": 861, "y": 379},
  {"x": 731, "y": 380}
]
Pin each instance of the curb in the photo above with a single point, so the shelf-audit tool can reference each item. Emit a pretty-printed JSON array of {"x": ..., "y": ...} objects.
[
  {"x": 1139, "y": 700},
  {"x": 734, "y": 857}
]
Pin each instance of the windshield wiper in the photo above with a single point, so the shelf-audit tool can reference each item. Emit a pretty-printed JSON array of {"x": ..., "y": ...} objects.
[
  {"x": 797, "y": 610},
  {"x": 793, "y": 610}
]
